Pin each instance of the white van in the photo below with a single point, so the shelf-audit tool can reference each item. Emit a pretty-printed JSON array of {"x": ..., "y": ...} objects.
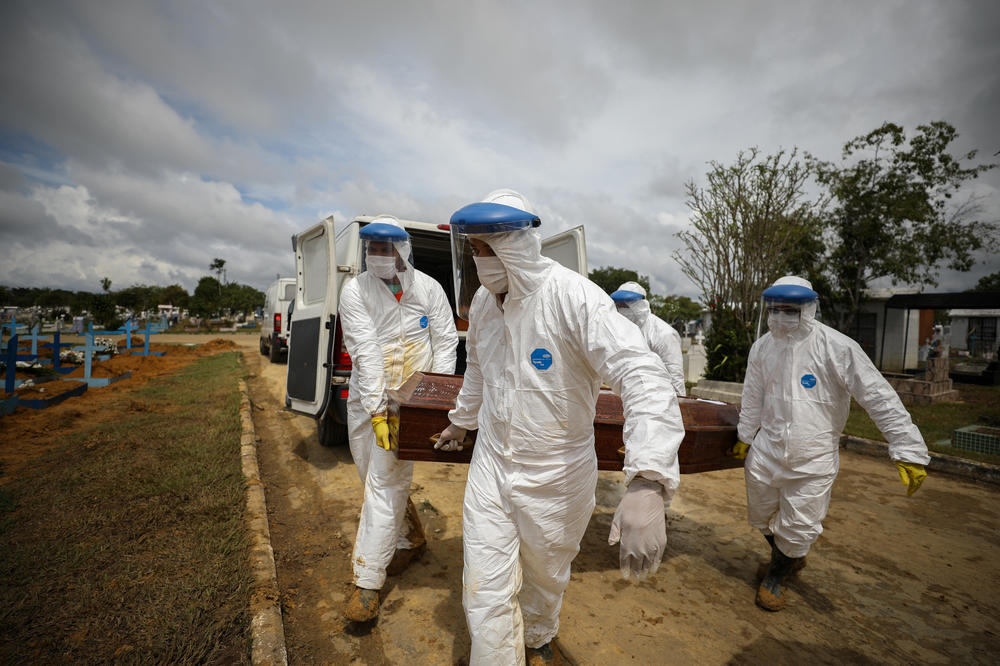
[
  {"x": 318, "y": 364},
  {"x": 274, "y": 328}
]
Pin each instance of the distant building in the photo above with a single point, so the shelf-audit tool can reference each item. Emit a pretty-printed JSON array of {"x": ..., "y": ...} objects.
[{"x": 975, "y": 331}]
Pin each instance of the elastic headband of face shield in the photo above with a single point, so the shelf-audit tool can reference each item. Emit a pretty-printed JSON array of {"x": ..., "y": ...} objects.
[{"x": 491, "y": 218}]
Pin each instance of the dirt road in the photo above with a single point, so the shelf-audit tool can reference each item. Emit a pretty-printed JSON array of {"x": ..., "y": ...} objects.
[{"x": 892, "y": 580}]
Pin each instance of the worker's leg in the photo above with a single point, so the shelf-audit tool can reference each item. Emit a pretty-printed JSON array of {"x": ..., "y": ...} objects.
[
  {"x": 552, "y": 509},
  {"x": 491, "y": 578}
]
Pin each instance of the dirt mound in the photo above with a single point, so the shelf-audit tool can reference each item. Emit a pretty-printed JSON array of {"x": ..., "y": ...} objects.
[{"x": 219, "y": 345}]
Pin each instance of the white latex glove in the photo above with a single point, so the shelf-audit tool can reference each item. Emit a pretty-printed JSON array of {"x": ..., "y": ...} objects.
[
  {"x": 451, "y": 438},
  {"x": 641, "y": 527}
]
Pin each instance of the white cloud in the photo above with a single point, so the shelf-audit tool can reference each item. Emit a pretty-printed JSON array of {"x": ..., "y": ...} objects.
[{"x": 161, "y": 135}]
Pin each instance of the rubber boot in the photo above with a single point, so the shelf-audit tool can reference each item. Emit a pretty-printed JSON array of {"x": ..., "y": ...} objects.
[
  {"x": 770, "y": 596},
  {"x": 800, "y": 563},
  {"x": 546, "y": 655},
  {"x": 403, "y": 557},
  {"x": 363, "y": 605}
]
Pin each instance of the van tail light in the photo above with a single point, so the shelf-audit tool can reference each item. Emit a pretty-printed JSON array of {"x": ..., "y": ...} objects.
[
  {"x": 341, "y": 359},
  {"x": 277, "y": 323}
]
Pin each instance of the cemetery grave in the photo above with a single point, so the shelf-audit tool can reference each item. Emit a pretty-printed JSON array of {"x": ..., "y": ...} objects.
[{"x": 29, "y": 432}]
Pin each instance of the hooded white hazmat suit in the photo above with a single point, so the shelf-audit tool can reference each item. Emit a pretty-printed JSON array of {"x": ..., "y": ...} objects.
[
  {"x": 662, "y": 338},
  {"x": 533, "y": 374},
  {"x": 388, "y": 341},
  {"x": 796, "y": 399}
]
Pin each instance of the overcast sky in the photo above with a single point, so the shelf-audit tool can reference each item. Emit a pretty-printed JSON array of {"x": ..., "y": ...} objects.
[{"x": 140, "y": 140}]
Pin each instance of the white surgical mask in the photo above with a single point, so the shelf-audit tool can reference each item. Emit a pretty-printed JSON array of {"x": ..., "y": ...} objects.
[
  {"x": 782, "y": 323},
  {"x": 382, "y": 267},
  {"x": 629, "y": 314},
  {"x": 492, "y": 274}
]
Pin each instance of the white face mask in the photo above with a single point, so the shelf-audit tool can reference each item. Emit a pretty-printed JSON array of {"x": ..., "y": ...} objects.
[
  {"x": 492, "y": 274},
  {"x": 783, "y": 323},
  {"x": 382, "y": 267},
  {"x": 629, "y": 314}
]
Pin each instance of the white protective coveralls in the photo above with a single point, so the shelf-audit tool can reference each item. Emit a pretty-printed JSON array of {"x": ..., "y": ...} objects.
[
  {"x": 796, "y": 399},
  {"x": 533, "y": 374},
  {"x": 662, "y": 338},
  {"x": 388, "y": 341}
]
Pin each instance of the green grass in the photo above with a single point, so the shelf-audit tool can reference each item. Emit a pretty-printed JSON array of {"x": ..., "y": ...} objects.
[
  {"x": 978, "y": 404},
  {"x": 127, "y": 544}
]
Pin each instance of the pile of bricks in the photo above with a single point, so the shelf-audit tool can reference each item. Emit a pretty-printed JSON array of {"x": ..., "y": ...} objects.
[{"x": 933, "y": 386}]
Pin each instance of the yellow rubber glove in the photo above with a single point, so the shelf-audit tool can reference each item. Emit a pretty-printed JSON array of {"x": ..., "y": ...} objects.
[
  {"x": 911, "y": 474},
  {"x": 739, "y": 450},
  {"x": 381, "y": 428}
]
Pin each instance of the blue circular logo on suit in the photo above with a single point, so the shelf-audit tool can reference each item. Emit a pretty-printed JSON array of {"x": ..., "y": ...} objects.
[
  {"x": 808, "y": 380},
  {"x": 423, "y": 322},
  {"x": 541, "y": 358}
]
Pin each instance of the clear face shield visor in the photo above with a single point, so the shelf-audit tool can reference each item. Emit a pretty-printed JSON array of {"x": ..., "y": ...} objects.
[
  {"x": 782, "y": 308},
  {"x": 627, "y": 304},
  {"x": 471, "y": 229},
  {"x": 385, "y": 250}
]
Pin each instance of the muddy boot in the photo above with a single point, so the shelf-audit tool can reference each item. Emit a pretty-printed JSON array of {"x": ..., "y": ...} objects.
[
  {"x": 770, "y": 596},
  {"x": 545, "y": 655},
  {"x": 415, "y": 535},
  {"x": 363, "y": 605}
]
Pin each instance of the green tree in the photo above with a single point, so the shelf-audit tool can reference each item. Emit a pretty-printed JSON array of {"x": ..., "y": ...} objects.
[
  {"x": 241, "y": 298},
  {"x": 609, "y": 278},
  {"x": 206, "y": 300},
  {"x": 727, "y": 346},
  {"x": 218, "y": 266},
  {"x": 102, "y": 307},
  {"x": 893, "y": 215},
  {"x": 751, "y": 224},
  {"x": 674, "y": 310},
  {"x": 989, "y": 282},
  {"x": 174, "y": 295}
]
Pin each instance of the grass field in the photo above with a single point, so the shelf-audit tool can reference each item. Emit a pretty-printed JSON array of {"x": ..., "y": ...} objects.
[
  {"x": 127, "y": 542},
  {"x": 979, "y": 404}
]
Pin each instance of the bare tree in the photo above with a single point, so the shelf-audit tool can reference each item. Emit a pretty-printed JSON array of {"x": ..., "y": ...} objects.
[{"x": 747, "y": 228}]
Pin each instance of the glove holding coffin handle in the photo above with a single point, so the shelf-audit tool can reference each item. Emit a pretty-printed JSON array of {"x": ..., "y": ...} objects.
[{"x": 452, "y": 438}]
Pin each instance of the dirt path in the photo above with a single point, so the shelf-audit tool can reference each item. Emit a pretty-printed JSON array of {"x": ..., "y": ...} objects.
[{"x": 892, "y": 580}]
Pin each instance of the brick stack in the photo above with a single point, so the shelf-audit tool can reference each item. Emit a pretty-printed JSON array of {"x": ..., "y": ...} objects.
[{"x": 933, "y": 386}]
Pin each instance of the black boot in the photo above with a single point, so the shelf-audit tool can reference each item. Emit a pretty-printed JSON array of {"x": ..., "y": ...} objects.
[
  {"x": 800, "y": 562},
  {"x": 769, "y": 594}
]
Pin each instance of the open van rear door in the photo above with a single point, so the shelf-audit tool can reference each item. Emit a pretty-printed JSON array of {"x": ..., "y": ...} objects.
[
  {"x": 569, "y": 248},
  {"x": 308, "y": 381}
]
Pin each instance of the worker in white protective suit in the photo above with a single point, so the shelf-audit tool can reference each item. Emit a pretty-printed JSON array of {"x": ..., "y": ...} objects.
[
  {"x": 662, "y": 338},
  {"x": 396, "y": 321},
  {"x": 541, "y": 339},
  {"x": 800, "y": 379}
]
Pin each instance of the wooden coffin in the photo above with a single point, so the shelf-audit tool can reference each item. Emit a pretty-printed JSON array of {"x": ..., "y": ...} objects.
[{"x": 423, "y": 402}]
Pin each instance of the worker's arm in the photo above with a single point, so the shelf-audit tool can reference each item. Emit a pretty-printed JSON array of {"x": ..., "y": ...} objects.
[
  {"x": 867, "y": 385},
  {"x": 361, "y": 340},
  {"x": 617, "y": 352},
  {"x": 444, "y": 337},
  {"x": 752, "y": 400},
  {"x": 470, "y": 397}
]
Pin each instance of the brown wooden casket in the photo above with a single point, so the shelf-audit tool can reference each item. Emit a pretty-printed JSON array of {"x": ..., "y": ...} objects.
[{"x": 423, "y": 402}]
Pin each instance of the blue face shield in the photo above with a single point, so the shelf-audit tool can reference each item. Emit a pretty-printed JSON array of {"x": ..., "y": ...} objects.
[{"x": 480, "y": 221}]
